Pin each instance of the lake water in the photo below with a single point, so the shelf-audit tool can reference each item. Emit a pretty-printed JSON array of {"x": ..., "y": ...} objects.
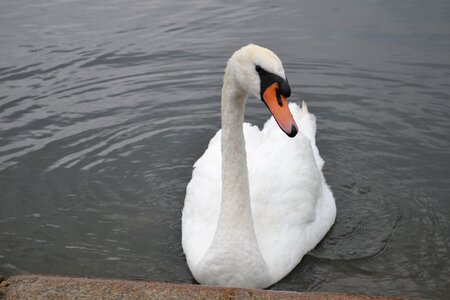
[{"x": 106, "y": 105}]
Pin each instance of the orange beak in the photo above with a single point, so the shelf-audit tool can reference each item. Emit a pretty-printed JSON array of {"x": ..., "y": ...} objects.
[{"x": 279, "y": 108}]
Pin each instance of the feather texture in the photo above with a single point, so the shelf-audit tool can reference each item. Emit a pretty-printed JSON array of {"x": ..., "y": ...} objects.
[{"x": 292, "y": 207}]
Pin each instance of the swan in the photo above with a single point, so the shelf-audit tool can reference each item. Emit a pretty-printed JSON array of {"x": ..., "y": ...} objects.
[{"x": 257, "y": 201}]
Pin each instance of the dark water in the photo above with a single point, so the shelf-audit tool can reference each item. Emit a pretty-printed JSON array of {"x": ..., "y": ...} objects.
[{"x": 105, "y": 106}]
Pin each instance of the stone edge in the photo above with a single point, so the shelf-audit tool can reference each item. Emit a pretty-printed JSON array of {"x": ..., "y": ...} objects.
[{"x": 61, "y": 287}]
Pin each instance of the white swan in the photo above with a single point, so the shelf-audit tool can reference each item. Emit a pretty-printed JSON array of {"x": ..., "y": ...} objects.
[{"x": 257, "y": 200}]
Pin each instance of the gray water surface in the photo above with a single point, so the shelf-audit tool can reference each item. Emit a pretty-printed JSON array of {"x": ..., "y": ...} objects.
[{"x": 106, "y": 105}]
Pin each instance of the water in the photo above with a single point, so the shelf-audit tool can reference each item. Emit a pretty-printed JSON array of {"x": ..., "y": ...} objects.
[{"x": 105, "y": 107}]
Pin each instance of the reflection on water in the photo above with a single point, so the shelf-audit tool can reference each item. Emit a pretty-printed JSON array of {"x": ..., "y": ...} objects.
[{"x": 105, "y": 107}]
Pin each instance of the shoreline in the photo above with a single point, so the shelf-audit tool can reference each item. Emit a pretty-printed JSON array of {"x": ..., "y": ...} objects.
[{"x": 62, "y": 287}]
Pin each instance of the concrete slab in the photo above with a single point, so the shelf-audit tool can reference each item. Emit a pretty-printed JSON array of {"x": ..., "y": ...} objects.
[{"x": 57, "y": 287}]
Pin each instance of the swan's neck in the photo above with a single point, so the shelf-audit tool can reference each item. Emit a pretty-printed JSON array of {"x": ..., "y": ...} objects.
[
  {"x": 234, "y": 257},
  {"x": 235, "y": 211}
]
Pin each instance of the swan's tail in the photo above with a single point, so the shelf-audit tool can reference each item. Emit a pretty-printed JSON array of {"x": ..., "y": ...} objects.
[
  {"x": 305, "y": 121},
  {"x": 304, "y": 107},
  {"x": 307, "y": 125}
]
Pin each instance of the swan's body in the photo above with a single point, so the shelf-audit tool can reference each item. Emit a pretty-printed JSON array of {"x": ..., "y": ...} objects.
[{"x": 257, "y": 201}]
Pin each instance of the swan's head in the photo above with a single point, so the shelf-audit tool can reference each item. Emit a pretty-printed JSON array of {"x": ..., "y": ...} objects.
[{"x": 259, "y": 71}]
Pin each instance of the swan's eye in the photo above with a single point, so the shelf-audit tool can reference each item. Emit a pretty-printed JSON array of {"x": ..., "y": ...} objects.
[
  {"x": 285, "y": 88},
  {"x": 268, "y": 78}
]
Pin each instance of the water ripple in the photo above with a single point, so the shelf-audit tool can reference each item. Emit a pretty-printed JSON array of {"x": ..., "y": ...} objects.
[{"x": 105, "y": 107}]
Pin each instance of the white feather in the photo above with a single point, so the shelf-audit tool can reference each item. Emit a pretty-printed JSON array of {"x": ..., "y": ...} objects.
[{"x": 292, "y": 207}]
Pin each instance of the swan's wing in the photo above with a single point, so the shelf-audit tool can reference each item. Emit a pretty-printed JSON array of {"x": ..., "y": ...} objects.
[
  {"x": 307, "y": 125},
  {"x": 202, "y": 203}
]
